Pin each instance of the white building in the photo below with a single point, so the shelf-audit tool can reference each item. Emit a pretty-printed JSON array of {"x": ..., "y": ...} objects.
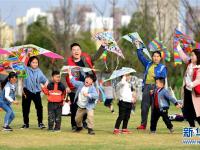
[{"x": 23, "y": 22}]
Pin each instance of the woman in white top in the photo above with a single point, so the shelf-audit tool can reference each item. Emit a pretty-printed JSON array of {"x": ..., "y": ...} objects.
[{"x": 191, "y": 109}]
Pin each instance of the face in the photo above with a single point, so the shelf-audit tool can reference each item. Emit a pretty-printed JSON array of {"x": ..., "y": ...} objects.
[
  {"x": 193, "y": 58},
  {"x": 88, "y": 82},
  {"x": 76, "y": 52},
  {"x": 156, "y": 58},
  {"x": 128, "y": 77},
  {"x": 159, "y": 84},
  {"x": 34, "y": 64},
  {"x": 13, "y": 80},
  {"x": 56, "y": 78}
]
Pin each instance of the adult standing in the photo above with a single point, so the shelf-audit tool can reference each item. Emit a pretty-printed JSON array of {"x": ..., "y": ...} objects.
[
  {"x": 81, "y": 59},
  {"x": 191, "y": 103},
  {"x": 153, "y": 69}
]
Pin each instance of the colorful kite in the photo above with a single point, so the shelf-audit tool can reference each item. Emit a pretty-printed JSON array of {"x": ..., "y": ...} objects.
[
  {"x": 111, "y": 44},
  {"x": 32, "y": 50},
  {"x": 131, "y": 37},
  {"x": 12, "y": 63},
  {"x": 186, "y": 42},
  {"x": 156, "y": 44}
]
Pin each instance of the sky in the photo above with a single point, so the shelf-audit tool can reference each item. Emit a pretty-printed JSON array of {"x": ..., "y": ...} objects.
[{"x": 11, "y": 9}]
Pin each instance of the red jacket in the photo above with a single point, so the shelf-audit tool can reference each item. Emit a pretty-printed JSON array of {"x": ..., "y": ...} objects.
[
  {"x": 55, "y": 92},
  {"x": 87, "y": 62}
]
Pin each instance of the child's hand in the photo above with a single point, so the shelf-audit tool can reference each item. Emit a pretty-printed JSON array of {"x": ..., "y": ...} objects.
[
  {"x": 137, "y": 43},
  {"x": 42, "y": 85},
  {"x": 15, "y": 102},
  {"x": 151, "y": 92},
  {"x": 85, "y": 94},
  {"x": 68, "y": 90},
  {"x": 179, "y": 106}
]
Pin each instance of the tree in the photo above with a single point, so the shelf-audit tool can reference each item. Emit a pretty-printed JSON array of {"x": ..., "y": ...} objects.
[
  {"x": 145, "y": 27},
  {"x": 38, "y": 33}
]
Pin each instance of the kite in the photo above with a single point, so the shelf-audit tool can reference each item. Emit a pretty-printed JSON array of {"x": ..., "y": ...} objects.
[
  {"x": 32, "y": 50},
  {"x": 156, "y": 44},
  {"x": 132, "y": 37},
  {"x": 111, "y": 44}
]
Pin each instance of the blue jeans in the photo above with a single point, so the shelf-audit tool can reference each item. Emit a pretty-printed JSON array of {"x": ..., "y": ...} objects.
[{"x": 9, "y": 113}]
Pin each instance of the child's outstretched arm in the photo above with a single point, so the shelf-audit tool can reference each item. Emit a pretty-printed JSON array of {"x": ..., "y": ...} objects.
[
  {"x": 44, "y": 89},
  {"x": 73, "y": 80},
  {"x": 172, "y": 99}
]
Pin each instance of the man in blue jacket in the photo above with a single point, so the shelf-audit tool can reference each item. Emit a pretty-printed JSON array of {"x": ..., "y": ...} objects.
[{"x": 153, "y": 69}]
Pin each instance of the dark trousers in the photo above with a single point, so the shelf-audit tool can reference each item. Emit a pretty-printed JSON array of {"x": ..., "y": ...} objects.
[
  {"x": 146, "y": 103},
  {"x": 73, "y": 109},
  {"x": 155, "y": 115},
  {"x": 26, "y": 104},
  {"x": 54, "y": 115},
  {"x": 124, "y": 114},
  {"x": 188, "y": 109}
]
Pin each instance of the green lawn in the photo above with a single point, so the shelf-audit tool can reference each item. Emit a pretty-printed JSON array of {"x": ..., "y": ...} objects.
[{"x": 35, "y": 138}]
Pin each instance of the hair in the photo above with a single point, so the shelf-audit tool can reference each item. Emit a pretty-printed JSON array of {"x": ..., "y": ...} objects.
[
  {"x": 55, "y": 72},
  {"x": 31, "y": 59},
  {"x": 161, "y": 80},
  {"x": 74, "y": 44},
  {"x": 197, "y": 53},
  {"x": 11, "y": 75},
  {"x": 91, "y": 76},
  {"x": 157, "y": 52}
]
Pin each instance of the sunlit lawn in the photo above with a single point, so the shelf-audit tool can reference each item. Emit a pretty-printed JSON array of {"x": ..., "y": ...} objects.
[{"x": 35, "y": 138}]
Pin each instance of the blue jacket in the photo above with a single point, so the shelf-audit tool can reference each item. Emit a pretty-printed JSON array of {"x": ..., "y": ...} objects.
[
  {"x": 92, "y": 91},
  {"x": 160, "y": 69},
  {"x": 164, "y": 99},
  {"x": 11, "y": 94},
  {"x": 35, "y": 77}
]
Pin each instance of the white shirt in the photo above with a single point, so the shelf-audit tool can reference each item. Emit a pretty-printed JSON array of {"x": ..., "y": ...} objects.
[
  {"x": 124, "y": 92},
  {"x": 7, "y": 93},
  {"x": 188, "y": 76},
  {"x": 83, "y": 100}
]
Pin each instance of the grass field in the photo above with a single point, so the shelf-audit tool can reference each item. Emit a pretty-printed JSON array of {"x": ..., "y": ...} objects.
[{"x": 35, "y": 138}]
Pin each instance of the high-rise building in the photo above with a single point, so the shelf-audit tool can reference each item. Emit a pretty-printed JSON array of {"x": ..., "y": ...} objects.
[{"x": 6, "y": 35}]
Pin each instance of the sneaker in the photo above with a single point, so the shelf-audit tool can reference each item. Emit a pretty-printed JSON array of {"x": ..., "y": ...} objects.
[
  {"x": 57, "y": 130},
  {"x": 91, "y": 131},
  {"x": 74, "y": 128},
  {"x": 78, "y": 129},
  {"x": 171, "y": 130},
  {"x": 126, "y": 131},
  {"x": 141, "y": 127},
  {"x": 7, "y": 128},
  {"x": 25, "y": 126},
  {"x": 152, "y": 132},
  {"x": 116, "y": 131},
  {"x": 41, "y": 126}
]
